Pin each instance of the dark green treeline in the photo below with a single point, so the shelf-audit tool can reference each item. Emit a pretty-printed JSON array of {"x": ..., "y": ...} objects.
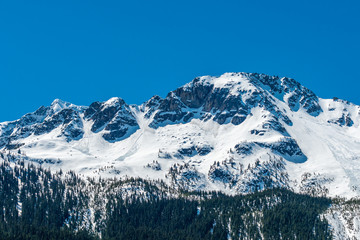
[{"x": 36, "y": 204}]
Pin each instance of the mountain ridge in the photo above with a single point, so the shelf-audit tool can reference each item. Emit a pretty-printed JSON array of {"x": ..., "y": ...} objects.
[{"x": 237, "y": 133}]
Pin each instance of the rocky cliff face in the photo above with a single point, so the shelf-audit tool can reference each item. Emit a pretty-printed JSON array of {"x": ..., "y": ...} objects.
[
  {"x": 43, "y": 121},
  {"x": 114, "y": 117},
  {"x": 205, "y": 98},
  {"x": 231, "y": 99},
  {"x": 239, "y": 132}
]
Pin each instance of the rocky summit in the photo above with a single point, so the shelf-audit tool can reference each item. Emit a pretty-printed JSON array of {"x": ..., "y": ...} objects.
[{"x": 236, "y": 133}]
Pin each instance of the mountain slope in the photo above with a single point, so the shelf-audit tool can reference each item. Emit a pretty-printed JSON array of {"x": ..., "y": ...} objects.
[
  {"x": 39, "y": 204},
  {"x": 236, "y": 133}
]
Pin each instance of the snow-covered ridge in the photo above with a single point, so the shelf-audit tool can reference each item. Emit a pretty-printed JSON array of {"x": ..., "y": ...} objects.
[{"x": 239, "y": 132}]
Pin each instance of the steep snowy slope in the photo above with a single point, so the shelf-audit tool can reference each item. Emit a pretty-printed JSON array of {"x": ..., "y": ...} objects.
[{"x": 239, "y": 132}]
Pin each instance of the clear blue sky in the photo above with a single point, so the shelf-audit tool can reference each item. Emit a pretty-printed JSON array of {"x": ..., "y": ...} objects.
[{"x": 84, "y": 51}]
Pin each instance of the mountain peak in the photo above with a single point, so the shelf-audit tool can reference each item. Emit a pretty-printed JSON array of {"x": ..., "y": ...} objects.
[
  {"x": 114, "y": 101},
  {"x": 225, "y": 80},
  {"x": 57, "y": 105},
  {"x": 257, "y": 86},
  {"x": 258, "y": 128}
]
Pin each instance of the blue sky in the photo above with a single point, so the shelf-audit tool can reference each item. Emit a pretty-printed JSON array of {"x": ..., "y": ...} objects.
[{"x": 85, "y": 51}]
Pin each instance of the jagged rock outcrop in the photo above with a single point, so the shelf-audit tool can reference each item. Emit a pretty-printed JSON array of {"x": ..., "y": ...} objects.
[
  {"x": 114, "y": 116},
  {"x": 231, "y": 101},
  {"x": 43, "y": 121},
  {"x": 261, "y": 131}
]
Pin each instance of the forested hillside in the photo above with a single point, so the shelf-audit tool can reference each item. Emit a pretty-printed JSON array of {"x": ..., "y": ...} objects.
[{"x": 38, "y": 204}]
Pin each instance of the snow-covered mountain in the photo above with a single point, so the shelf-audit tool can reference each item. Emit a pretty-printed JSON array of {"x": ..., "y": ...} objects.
[{"x": 236, "y": 133}]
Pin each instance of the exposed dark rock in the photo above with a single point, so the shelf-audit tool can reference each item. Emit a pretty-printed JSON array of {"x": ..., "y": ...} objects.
[
  {"x": 154, "y": 165},
  {"x": 170, "y": 109},
  {"x": 258, "y": 132},
  {"x": 152, "y": 105},
  {"x": 299, "y": 95},
  {"x": 164, "y": 154},
  {"x": 154, "y": 101},
  {"x": 113, "y": 116},
  {"x": 288, "y": 148},
  {"x": 12, "y": 146},
  {"x": 104, "y": 114},
  {"x": 204, "y": 150},
  {"x": 74, "y": 129},
  {"x": 224, "y": 106},
  {"x": 195, "y": 94},
  {"x": 45, "y": 120},
  {"x": 310, "y": 102},
  {"x": 114, "y": 135},
  {"x": 275, "y": 125},
  {"x": 92, "y": 109},
  {"x": 189, "y": 152},
  {"x": 344, "y": 120},
  {"x": 237, "y": 120},
  {"x": 245, "y": 148},
  {"x": 63, "y": 117},
  {"x": 216, "y": 100},
  {"x": 271, "y": 123},
  {"x": 69, "y": 119},
  {"x": 293, "y": 102}
]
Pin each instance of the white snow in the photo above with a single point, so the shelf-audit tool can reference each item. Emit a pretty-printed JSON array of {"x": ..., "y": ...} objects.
[{"x": 333, "y": 151}]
